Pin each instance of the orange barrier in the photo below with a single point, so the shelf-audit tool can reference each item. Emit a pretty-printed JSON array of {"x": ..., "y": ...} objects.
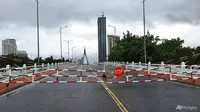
[
  {"x": 4, "y": 87},
  {"x": 189, "y": 81}
]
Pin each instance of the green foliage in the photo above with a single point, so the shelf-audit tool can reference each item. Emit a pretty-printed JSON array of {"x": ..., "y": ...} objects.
[
  {"x": 16, "y": 61},
  {"x": 48, "y": 60},
  {"x": 131, "y": 48}
]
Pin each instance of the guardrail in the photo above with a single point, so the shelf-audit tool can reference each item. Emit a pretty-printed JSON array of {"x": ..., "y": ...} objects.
[
  {"x": 182, "y": 68},
  {"x": 147, "y": 70},
  {"x": 16, "y": 72},
  {"x": 142, "y": 72}
]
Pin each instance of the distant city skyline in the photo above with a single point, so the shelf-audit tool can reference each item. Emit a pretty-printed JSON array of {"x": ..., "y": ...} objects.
[
  {"x": 22, "y": 53},
  {"x": 9, "y": 46},
  {"x": 112, "y": 42}
]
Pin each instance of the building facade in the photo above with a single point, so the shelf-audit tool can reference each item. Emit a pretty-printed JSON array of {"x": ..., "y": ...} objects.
[
  {"x": 9, "y": 46},
  {"x": 101, "y": 23},
  {"x": 112, "y": 42},
  {"x": 22, "y": 54}
]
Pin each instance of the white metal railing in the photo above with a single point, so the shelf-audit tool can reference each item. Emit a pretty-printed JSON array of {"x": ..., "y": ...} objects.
[
  {"x": 25, "y": 70},
  {"x": 180, "y": 70}
]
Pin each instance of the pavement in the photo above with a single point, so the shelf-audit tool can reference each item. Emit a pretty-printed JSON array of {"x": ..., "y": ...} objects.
[{"x": 97, "y": 97}]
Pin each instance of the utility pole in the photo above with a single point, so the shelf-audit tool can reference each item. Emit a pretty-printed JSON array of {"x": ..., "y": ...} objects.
[
  {"x": 145, "y": 55},
  {"x": 38, "y": 36}
]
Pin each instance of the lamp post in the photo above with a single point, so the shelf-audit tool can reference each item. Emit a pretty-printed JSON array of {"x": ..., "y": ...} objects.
[
  {"x": 145, "y": 57},
  {"x": 68, "y": 41},
  {"x": 38, "y": 36},
  {"x": 61, "y": 41},
  {"x": 72, "y": 54},
  {"x": 94, "y": 57},
  {"x": 113, "y": 28}
]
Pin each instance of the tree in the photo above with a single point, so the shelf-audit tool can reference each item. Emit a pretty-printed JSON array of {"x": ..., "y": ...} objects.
[
  {"x": 40, "y": 59},
  {"x": 130, "y": 48},
  {"x": 49, "y": 60}
]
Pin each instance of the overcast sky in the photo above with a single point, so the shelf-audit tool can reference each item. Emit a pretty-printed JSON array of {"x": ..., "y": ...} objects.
[{"x": 165, "y": 18}]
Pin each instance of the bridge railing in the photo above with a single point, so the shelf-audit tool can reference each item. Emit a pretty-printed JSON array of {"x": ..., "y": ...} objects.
[
  {"x": 16, "y": 72},
  {"x": 178, "y": 70}
]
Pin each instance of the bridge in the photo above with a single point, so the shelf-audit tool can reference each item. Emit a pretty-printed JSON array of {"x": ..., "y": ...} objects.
[{"x": 66, "y": 87}]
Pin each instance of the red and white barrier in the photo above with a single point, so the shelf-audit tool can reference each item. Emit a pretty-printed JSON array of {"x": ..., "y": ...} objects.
[
  {"x": 148, "y": 72},
  {"x": 89, "y": 81},
  {"x": 100, "y": 71}
]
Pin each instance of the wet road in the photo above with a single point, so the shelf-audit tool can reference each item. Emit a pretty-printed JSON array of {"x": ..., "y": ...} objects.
[{"x": 137, "y": 97}]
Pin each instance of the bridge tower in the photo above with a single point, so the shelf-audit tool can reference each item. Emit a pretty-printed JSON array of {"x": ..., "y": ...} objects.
[{"x": 85, "y": 55}]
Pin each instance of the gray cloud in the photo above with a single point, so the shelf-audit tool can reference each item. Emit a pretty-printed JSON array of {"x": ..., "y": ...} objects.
[
  {"x": 180, "y": 11},
  {"x": 54, "y": 13}
]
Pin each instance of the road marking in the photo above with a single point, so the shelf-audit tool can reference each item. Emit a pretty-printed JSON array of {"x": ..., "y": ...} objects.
[
  {"x": 122, "y": 107},
  {"x": 26, "y": 86},
  {"x": 114, "y": 97}
]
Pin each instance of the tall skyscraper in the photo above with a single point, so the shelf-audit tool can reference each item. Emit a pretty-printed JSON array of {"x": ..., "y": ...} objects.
[
  {"x": 9, "y": 46},
  {"x": 102, "y": 38},
  {"x": 112, "y": 42}
]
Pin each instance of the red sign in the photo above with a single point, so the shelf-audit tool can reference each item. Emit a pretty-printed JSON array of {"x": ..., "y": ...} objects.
[{"x": 118, "y": 71}]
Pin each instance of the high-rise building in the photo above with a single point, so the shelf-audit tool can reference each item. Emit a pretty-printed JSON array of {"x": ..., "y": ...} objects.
[
  {"x": 22, "y": 53},
  {"x": 112, "y": 42},
  {"x": 9, "y": 46},
  {"x": 102, "y": 39}
]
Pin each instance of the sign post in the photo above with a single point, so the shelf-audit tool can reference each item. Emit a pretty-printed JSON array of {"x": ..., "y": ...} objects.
[{"x": 118, "y": 71}]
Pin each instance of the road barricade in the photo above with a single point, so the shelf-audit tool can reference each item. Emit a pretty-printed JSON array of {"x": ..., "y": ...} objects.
[{"x": 10, "y": 81}]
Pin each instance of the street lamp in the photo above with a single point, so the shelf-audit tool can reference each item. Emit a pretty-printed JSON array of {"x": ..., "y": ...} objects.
[
  {"x": 68, "y": 41},
  {"x": 113, "y": 28},
  {"x": 145, "y": 55},
  {"x": 61, "y": 41},
  {"x": 38, "y": 36},
  {"x": 94, "y": 57},
  {"x": 72, "y": 53}
]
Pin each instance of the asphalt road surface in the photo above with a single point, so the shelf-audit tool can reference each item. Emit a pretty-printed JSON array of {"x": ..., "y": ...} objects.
[
  {"x": 156, "y": 96},
  {"x": 93, "y": 97}
]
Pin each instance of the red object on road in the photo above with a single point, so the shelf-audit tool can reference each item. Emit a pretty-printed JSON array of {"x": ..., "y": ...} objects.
[
  {"x": 118, "y": 71},
  {"x": 57, "y": 69}
]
